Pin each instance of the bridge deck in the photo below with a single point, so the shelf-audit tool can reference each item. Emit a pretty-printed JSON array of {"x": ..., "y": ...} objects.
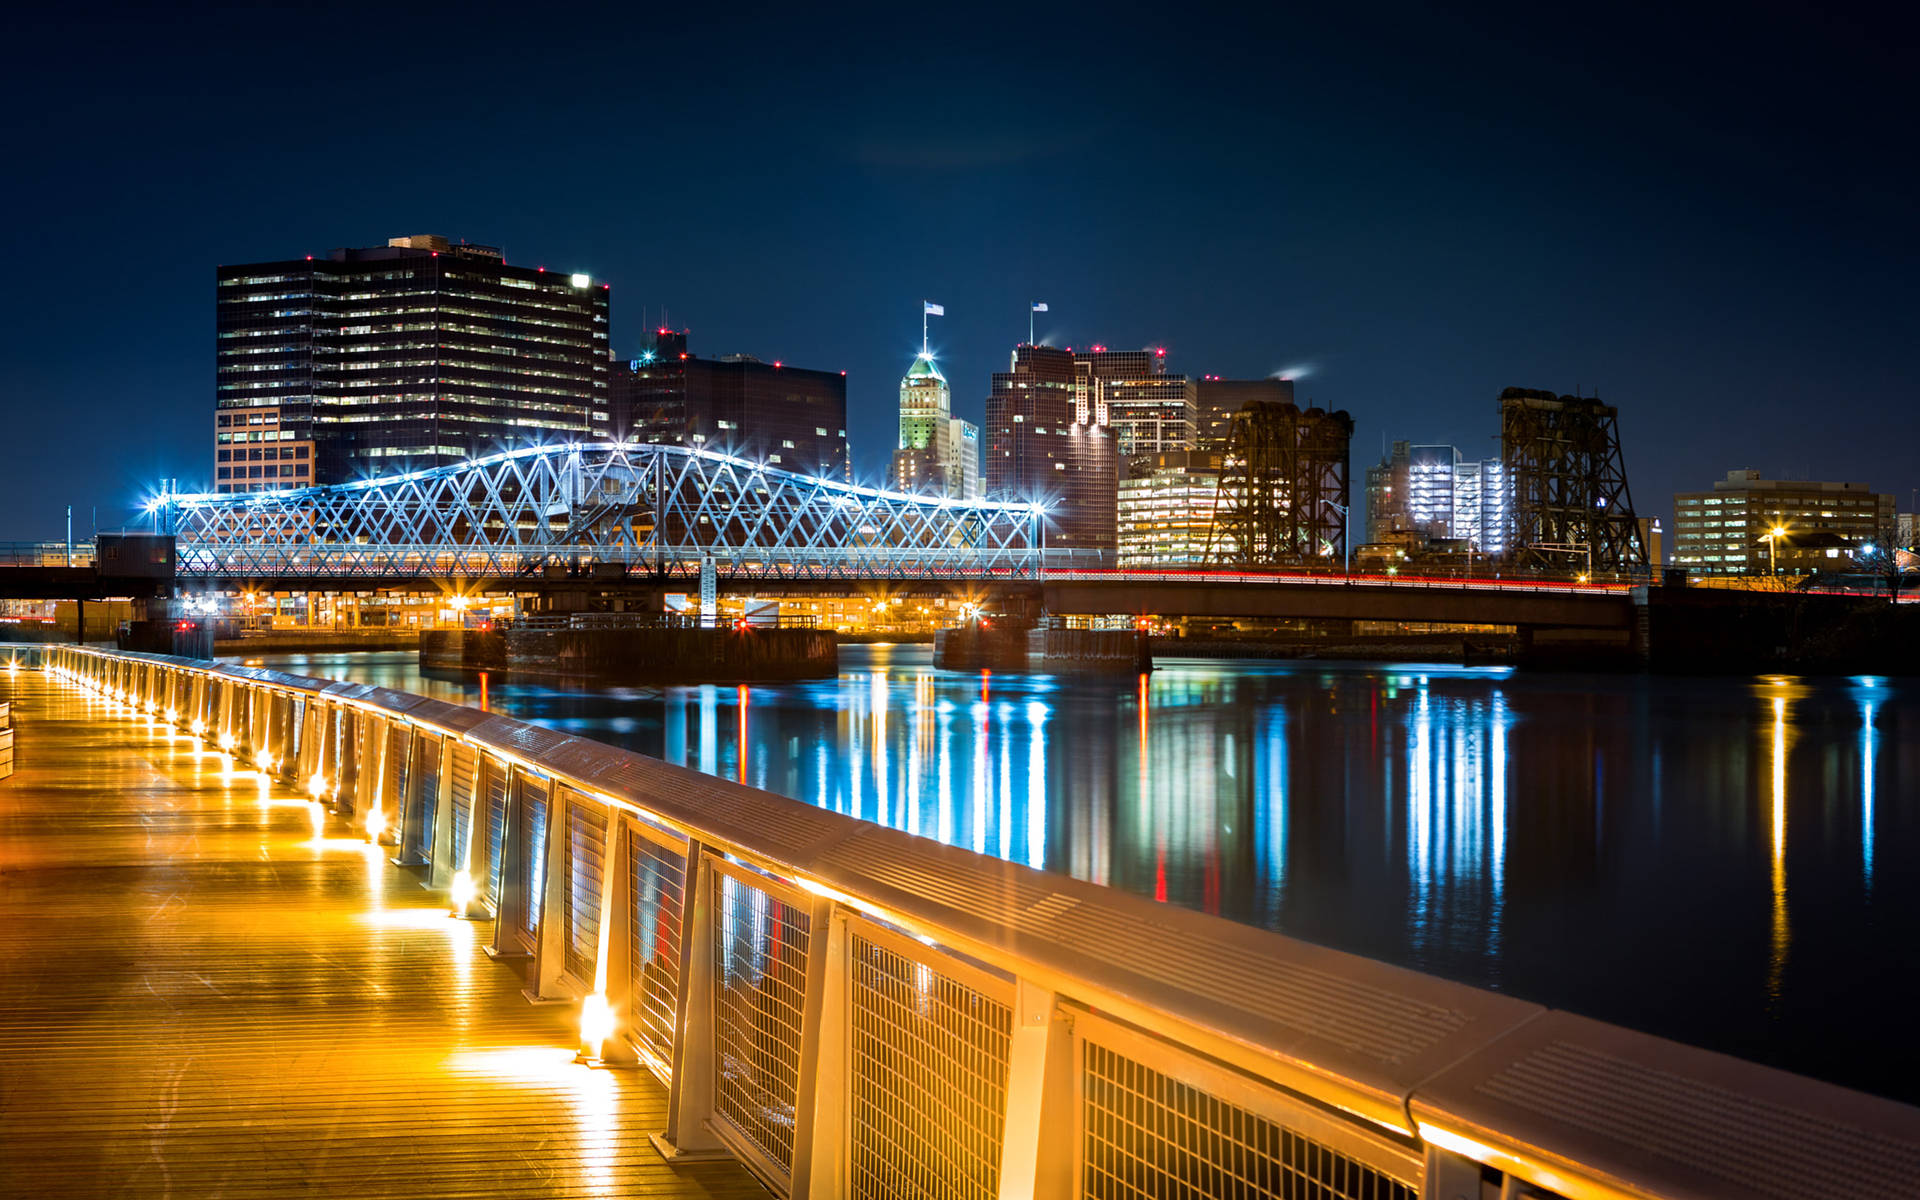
[{"x": 198, "y": 998}]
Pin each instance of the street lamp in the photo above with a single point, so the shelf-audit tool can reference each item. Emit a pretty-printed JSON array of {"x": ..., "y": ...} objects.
[
  {"x": 1346, "y": 537},
  {"x": 1773, "y": 541}
]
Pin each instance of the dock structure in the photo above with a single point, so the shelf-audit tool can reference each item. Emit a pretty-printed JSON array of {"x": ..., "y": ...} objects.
[
  {"x": 230, "y": 965},
  {"x": 204, "y": 994}
]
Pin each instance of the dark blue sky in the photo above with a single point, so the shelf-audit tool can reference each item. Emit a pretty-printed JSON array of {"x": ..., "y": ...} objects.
[{"x": 1710, "y": 218}]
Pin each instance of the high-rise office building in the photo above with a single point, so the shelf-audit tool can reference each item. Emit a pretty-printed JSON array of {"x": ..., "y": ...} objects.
[
  {"x": 937, "y": 452},
  {"x": 1434, "y": 493},
  {"x": 1731, "y": 530},
  {"x": 1430, "y": 482},
  {"x": 792, "y": 417},
  {"x": 1130, "y": 392},
  {"x": 1483, "y": 506},
  {"x": 1045, "y": 444},
  {"x": 1167, "y": 507},
  {"x": 415, "y": 354},
  {"x": 1387, "y": 487}
]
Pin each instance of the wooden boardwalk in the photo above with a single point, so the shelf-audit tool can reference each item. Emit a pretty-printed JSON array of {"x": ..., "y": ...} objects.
[{"x": 200, "y": 998}]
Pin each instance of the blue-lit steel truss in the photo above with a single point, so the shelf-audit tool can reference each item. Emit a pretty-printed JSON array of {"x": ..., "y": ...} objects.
[{"x": 654, "y": 510}]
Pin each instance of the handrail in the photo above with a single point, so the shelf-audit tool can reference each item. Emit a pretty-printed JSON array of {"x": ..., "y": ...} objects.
[
  {"x": 46, "y": 554},
  {"x": 808, "y": 951},
  {"x": 556, "y": 622}
]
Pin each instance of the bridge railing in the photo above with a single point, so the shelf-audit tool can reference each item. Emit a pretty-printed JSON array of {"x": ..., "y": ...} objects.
[
  {"x": 854, "y": 1011},
  {"x": 46, "y": 554},
  {"x": 1525, "y": 582},
  {"x": 332, "y": 560}
]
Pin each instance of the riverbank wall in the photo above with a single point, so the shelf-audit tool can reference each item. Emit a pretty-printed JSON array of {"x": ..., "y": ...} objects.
[
  {"x": 1011, "y": 647},
  {"x": 1710, "y": 631},
  {"x": 316, "y": 641},
  {"x": 666, "y": 654}
]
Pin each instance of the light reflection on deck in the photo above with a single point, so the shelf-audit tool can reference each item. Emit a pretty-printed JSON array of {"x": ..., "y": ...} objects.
[{"x": 206, "y": 994}]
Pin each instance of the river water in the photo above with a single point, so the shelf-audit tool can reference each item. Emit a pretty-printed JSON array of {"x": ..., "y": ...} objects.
[{"x": 1727, "y": 862}]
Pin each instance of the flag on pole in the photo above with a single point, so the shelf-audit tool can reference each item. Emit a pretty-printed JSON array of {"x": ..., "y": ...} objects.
[
  {"x": 1039, "y": 306},
  {"x": 934, "y": 310}
]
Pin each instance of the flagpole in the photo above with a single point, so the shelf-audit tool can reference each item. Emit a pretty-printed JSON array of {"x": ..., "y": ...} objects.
[
  {"x": 1030, "y": 322},
  {"x": 923, "y": 329}
]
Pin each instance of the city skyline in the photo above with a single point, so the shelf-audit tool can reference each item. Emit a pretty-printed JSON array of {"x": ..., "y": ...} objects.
[{"x": 1703, "y": 249}]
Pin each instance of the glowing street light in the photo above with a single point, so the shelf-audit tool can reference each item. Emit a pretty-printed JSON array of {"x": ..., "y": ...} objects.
[{"x": 1773, "y": 540}]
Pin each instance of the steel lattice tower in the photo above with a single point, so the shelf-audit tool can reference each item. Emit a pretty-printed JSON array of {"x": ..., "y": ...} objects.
[
  {"x": 1570, "y": 497},
  {"x": 1282, "y": 499}
]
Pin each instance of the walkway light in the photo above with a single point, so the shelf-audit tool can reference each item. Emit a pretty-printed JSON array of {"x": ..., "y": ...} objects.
[
  {"x": 226, "y": 743},
  {"x": 596, "y": 1025},
  {"x": 462, "y": 892},
  {"x": 199, "y": 727},
  {"x": 317, "y": 785},
  {"x": 376, "y": 824}
]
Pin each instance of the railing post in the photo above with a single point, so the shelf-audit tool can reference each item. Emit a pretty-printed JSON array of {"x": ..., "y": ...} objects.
[
  {"x": 820, "y": 1125},
  {"x": 550, "y": 940},
  {"x": 1042, "y": 1130},
  {"x": 690, "y": 1095},
  {"x": 509, "y": 904},
  {"x": 440, "y": 868},
  {"x": 1450, "y": 1176},
  {"x": 613, "y": 965},
  {"x": 479, "y": 865}
]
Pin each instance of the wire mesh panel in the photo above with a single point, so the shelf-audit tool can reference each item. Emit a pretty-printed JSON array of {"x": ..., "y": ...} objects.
[
  {"x": 233, "y": 710},
  {"x": 461, "y": 788},
  {"x": 282, "y": 720},
  {"x": 296, "y": 736},
  {"x": 929, "y": 1074},
  {"x": 1147, "y": 1134},
  {"x": 313, "y": 725},
  {"x": 259, "y": 725},
  {"x": 393, "y": 771},
  {"x": 372, "y": 735},
  {"x": 656, "y": 874},
  {"x": 533, "y": 851},
  {"x": 586, "y": 871},
  {"x": 760, "y": 969},
  {"x": 493, "y": 788},
  {"x": 350, "y": 766},
  {"x": 423, "y": 797}
]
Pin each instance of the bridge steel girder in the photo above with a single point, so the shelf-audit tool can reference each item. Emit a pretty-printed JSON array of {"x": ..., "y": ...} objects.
[
  {"x": 77, "y": 583},
  {"x": 1451, "y": 606},
  {"x": 638, "y": 510}
]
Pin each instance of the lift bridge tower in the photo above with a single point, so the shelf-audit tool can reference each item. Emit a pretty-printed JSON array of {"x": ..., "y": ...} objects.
[
  {"x": 1571, "y": 506},
  {"x": 1283, "y": 492}
]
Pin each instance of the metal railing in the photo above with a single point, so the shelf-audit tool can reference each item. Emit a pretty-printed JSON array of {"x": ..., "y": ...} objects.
[
  {"x": 46, "y": 554},
  {"x": 1526, "y": 582},
  {"x": 855, "y": 1011},
  {"x": 554, "y": 622}
]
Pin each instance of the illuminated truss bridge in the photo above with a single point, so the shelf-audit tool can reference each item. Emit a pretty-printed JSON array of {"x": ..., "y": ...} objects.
[{"x": 653, "y": 510}]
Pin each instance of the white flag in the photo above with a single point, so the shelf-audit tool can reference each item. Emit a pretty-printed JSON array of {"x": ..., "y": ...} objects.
[
  {"x": 1039, "y": 306},
  {"x": 935, "y": 310}
]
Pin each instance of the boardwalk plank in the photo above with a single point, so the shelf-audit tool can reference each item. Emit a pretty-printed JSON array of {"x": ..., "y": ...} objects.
[{"x": 198, "y": 998}]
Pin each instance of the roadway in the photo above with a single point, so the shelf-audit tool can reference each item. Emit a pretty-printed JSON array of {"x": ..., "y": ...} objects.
[
  {"x": 1524, "y": 603},
  {"x": 201, "y": 997}
]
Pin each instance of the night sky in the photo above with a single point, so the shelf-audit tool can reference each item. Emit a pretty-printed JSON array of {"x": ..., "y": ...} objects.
[{"x": 1709, "y": 219}]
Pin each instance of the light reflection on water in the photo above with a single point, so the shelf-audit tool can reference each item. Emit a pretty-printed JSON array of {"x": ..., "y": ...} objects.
[{"x": 1692, "y": 857}]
